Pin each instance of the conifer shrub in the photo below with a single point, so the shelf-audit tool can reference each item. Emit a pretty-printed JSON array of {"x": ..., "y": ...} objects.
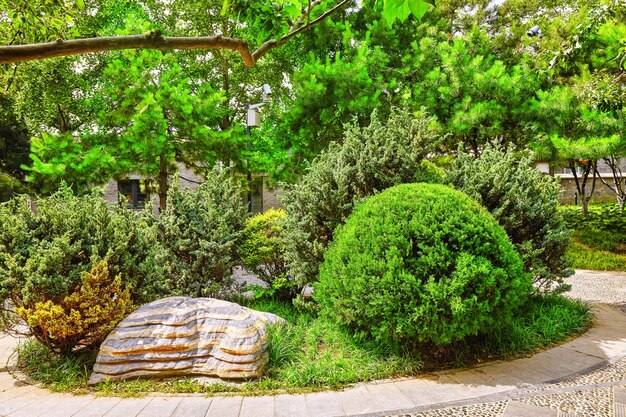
[
  {"x": 197, "y": 237},
  {"x": 82, "y": 318},
  {"x": 421, "y": 263},
  {"x": 525, "y": 203},
  {"x": 369, "y": 160},
  {"x": 262, "y": 252},
  {"x": 49, "y": 261}
]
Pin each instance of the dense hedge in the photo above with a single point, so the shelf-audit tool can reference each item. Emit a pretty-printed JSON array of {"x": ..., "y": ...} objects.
[
  {"x": 421, "y": 263},
  {"x": 369, "y": 160},
  {"x": 525, "y": 203},
  {"x": 47, "y": 255}
]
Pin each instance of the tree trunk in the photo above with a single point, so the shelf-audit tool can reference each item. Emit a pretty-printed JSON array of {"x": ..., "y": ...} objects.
[
  {"x": 584, "y": 203},
  {"x": 163, "y": 185}
]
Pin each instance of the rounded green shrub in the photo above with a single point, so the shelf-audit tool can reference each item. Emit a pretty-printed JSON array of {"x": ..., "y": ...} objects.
[
  {"x": 421, "y": 263},
  {"x": 262, "y": 252}
]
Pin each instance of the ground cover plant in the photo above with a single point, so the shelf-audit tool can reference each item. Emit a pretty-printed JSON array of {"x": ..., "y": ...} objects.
[
  {"x": 599, "y": 239},
  {"x": 313, "y": 353}
]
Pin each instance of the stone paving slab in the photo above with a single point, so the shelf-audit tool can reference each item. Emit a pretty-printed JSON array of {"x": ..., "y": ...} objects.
[
  {"x": 98, "y": 407},
  {"x": 192, "y": 407},
  {"x": 559, "y": 377},
  {"x": 257, "y": 407},
  {"x": 290, "y": 406}
]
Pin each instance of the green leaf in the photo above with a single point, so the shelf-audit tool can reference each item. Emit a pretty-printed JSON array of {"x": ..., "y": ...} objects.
[
  {"x": 225, "y": 7},
  {"x": 80, "y": 4},
  {"x": 418, "y": 8},
  {"x": 397, "y": 9}
]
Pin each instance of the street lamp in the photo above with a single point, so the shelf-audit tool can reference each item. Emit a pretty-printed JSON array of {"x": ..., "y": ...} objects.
[
  {"x": 254, "y": 120},
  {"x": 534, "y": 31}
]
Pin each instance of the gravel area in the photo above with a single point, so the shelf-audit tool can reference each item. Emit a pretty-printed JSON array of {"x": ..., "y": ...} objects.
[{"x": 602, "y": 287}]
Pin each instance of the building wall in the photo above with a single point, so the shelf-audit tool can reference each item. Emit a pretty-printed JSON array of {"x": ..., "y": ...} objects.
[
  {"x": 189, "y": 179},
  {"x": 271, "y": 196},
  {"x": 601, "y": 192}
]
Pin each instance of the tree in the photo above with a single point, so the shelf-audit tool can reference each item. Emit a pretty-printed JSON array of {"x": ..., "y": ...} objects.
[
  {"x": 278, "y": 23},
  {"x": 155, "y": 116},
  {"x": 14, "y": 148},
  {"x": 580, "y": 119},
  {"x": 574, "y": 134}
]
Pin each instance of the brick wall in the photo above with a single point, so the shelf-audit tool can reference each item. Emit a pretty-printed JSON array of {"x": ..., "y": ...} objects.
[{"x": 189, "y": 179}]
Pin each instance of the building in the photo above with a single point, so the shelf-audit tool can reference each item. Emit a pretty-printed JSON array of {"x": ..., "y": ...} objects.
[
  {"x": 137, "y": 191},
  {"x": 569, "y": 193}
]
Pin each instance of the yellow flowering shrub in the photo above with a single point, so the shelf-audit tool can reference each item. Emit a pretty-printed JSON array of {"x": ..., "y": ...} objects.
[{"x": 83, "y": 318}]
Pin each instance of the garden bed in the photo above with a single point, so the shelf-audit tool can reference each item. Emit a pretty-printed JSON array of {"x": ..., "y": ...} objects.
[{"x": 313, "y": 354}]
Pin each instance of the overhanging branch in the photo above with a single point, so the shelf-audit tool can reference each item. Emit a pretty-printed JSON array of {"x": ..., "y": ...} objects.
[
  {"x": 21, "y": 53},
  {"x": 154, "y": 40},
  {"x": 272, "y": 43}
]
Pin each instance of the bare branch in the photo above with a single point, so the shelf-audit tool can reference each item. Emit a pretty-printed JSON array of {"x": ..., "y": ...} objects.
[
  {"x": 154, "y": 40},
  {"x": 272, "y": 43}
]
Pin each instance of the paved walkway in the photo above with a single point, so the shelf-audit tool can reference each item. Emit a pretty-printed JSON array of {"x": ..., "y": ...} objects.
[{"x": 585, "y": 377}]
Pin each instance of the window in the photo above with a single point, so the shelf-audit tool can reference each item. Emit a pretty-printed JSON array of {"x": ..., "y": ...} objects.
[{"x": 134, "y": 193}]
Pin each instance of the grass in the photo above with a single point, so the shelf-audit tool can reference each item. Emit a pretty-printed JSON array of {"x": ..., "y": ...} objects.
[
  {"x": 57, "y": 372},
  {"x": 312, "y": 354},
  {"x": 586, "y": 257}
]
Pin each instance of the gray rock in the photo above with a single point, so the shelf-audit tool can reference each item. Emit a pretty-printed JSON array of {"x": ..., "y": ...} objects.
[{"x": 179, "y": 336}]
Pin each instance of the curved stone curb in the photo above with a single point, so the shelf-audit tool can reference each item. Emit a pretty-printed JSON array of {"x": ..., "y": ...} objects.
[{"x": 497, "y": 382}]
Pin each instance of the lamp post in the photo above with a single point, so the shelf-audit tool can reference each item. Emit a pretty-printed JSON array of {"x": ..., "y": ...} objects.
[{"x": 253, "y": 119}]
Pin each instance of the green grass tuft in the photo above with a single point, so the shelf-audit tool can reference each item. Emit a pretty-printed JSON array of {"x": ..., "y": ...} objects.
[
  {"x": 585, "y": 257},
  {"x": 542, "y": 322},
  {"x": 56, "y": 372}
]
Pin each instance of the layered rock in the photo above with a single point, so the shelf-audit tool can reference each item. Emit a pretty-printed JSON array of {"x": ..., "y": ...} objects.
[{"x": 179, "y": 336}]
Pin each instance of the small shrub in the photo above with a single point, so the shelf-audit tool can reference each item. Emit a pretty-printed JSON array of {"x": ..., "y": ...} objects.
[
  {"x": 198, "y": 236},
  {"x": 369, "y": 160},
  {"x": 421, "y": 263},
  {"x": 84, "y": 317},
  {"x": 262, "y": 250},
  {"x": 525, "y": 203},
  {"x": 46, "y": 255}
]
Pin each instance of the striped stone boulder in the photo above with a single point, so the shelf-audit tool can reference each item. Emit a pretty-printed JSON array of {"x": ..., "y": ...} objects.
[{"x": 179, "y": 336}]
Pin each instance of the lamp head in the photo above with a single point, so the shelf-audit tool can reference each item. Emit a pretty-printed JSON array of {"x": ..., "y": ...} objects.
[
  {"x": 267, "y": 93},
  {"x": 534, "y": 31}
]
